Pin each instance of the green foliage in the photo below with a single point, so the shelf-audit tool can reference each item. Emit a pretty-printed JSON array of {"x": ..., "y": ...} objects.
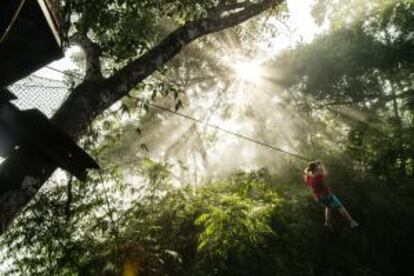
[
  {"x": 249, "y": 224},
  {"x": 353, "y": 85},
  {"x": 233, "y": 226},
  {"x": 127, "y": 28},
  {"x": 353, "y": 89}
]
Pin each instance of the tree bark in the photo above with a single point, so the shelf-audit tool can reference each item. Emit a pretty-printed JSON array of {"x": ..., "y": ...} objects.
[{"x": 23, "y": 174}]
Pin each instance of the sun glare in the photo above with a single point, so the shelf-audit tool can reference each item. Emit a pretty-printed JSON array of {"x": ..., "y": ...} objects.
[{"x": 247, "y": 71}]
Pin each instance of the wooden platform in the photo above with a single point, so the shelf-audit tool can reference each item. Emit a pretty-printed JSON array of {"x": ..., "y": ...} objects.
[{"x": 29, "y": 39}]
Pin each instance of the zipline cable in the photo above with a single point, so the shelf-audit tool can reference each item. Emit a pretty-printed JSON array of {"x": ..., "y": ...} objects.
[
  {"x": 208, "y": 124},
  {"x": 222, "y": 129}
]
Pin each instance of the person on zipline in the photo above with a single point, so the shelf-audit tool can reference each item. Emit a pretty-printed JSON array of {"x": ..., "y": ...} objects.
[{"x": 315, "y": 179}]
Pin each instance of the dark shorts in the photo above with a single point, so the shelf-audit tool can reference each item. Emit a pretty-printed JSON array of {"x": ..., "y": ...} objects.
[{"x": 330, "y": 200}]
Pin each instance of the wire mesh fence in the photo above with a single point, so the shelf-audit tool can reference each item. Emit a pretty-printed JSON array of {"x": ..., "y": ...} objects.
[{"x": 42, "y": 93}]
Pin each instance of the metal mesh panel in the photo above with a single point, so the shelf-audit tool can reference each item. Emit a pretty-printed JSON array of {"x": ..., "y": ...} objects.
[{"x": 39, "y": 92}]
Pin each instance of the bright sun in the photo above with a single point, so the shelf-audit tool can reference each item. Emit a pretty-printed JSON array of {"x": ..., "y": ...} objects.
[{"x": 247, "y": 71}]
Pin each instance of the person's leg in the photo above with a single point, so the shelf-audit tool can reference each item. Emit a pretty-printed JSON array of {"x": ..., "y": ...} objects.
[
  {"x": 328, "y": 215},
  {"x": 343, "y": 211},
  {"x": 323, "y": 201}
]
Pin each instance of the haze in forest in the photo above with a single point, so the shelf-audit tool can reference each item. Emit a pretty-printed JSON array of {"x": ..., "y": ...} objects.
[
  {"x": 247, "y": 101},
  {"x": 202, "y": 159}
]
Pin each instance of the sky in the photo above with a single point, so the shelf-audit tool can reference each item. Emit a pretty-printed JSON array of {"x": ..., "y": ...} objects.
[{"x": 301, "y": 18}]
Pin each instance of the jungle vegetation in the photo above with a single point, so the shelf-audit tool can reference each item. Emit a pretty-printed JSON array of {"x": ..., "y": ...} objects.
[{"x": 176, "y": 197}]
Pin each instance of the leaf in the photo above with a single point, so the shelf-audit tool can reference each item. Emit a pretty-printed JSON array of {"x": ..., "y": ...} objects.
[
  {"x": 178, "y": 105},
  {"x": 107, "y": 125},
  {"x": 125, "y": 109},
  {"x": 203, "y": 244},
  {"x": 145, "y": 106},
  {"x": 144, "y": 147},
  {"x": 173, "y": 254},
  {"x": 138, "y": 131},
  {"x": 202, "y": 218}
]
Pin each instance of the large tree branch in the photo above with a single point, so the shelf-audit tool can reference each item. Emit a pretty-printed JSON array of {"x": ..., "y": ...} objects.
[
  {"x": 129, "y": 76},
  {"x": 93, "y": 97},
  {"x": 92, "y": 53},
  {"x": 23, "y": 174}
]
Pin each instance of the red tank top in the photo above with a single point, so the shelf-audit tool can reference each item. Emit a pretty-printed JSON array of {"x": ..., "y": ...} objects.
[{"x": 316, "y": 182}]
